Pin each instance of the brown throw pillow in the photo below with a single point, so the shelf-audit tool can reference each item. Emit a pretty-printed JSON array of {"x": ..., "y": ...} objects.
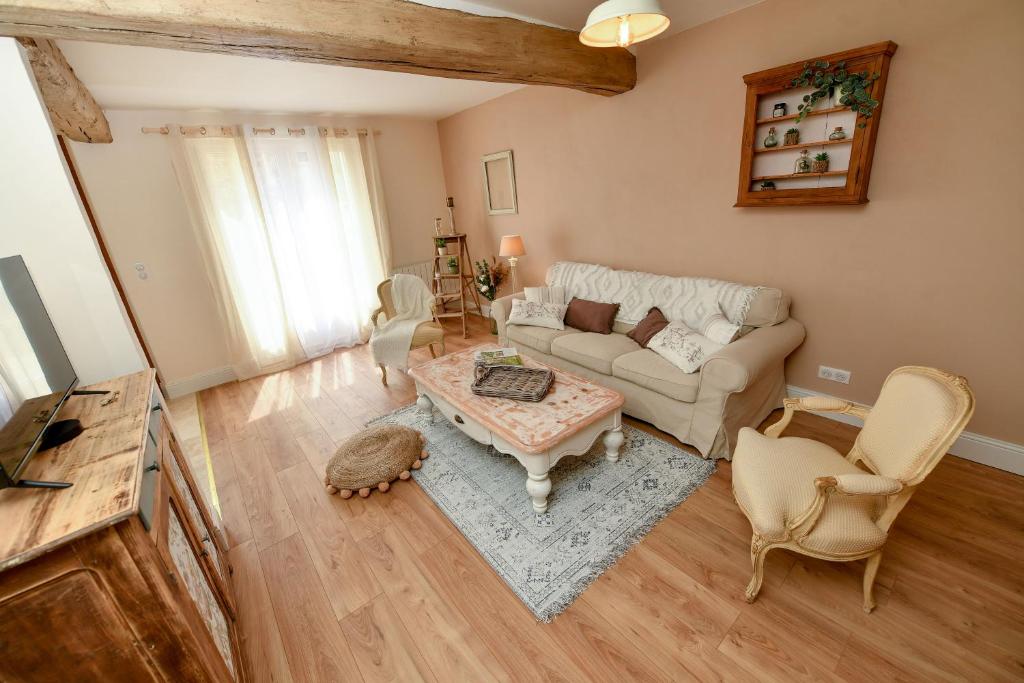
[
  {"x": 653, "y": 323},
  {"x": 591, "y": 316}
]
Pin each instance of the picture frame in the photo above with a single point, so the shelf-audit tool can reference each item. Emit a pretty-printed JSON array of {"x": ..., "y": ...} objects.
[{"x": 500, "y": 183}]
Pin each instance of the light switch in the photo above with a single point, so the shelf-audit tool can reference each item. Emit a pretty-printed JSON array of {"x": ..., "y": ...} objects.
[{"x": 140, "y": 268}]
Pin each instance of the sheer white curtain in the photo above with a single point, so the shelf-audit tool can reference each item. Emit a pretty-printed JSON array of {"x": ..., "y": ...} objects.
[{"x": 290, "y": 242}]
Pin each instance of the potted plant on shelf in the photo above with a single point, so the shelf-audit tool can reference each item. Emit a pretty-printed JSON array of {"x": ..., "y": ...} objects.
[
  {"x": 453, "y": 265},
  {"x": 792, "y": 137},
  {"x": 849, "y": 89},
  {"x": 442, "y": 246},
  {"x": 767, "y": 185},
  {"x": 489, "y": 277},
  {"x": 820, "y": 164}
]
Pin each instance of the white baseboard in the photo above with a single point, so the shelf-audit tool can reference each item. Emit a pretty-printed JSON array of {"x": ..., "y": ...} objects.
[
  {"x": 1002, "y": 455},
  {"x": 204, "y": 380}
]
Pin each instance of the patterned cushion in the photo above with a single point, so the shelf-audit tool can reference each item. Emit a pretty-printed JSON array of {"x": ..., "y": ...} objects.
[
  {"x": 773, "y": 480},
  {"x": 538, "y": 315},
  {"x": 682, "y": 347}
]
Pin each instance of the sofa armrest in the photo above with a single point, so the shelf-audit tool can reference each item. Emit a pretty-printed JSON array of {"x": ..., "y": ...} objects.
[
  {"x": 742, "y": 362},
  {"x": 500, "y": 310}
]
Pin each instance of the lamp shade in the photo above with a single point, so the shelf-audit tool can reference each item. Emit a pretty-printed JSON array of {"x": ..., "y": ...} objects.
[
  {"x": 511, "y": 245},
  {"x": 623, "y": 22}
]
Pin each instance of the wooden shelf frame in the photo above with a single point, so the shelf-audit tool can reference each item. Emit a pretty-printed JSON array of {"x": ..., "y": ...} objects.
[{"x": 872, "y": 58}]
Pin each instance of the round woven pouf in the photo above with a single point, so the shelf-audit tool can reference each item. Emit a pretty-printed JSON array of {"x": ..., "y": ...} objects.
[{"x": 374, "y": 458}]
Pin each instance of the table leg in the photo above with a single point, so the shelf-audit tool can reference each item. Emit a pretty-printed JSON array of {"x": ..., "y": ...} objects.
[
  {"x": 612, "y": 442},
  {"x": 426, "y": 406},
  {"x": 537, "y": 483}
]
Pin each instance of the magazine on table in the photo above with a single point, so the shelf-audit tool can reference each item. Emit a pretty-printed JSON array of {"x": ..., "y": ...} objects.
[{"x": 506, "y": 356}]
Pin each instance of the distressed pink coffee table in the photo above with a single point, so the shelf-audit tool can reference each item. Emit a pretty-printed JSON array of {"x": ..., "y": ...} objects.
[{"x": 568, "y": 421}]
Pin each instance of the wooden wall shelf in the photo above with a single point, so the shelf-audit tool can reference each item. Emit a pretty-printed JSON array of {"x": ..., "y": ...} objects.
[
  {"x": 849, "y": 186},
  {"x": 791, "y": 117},
  {"x": 802, "y": 145},
  {"x": 793, "y": 176}
]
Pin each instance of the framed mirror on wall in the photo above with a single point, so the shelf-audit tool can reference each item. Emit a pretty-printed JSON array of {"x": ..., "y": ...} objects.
[{"x": 500, "y": 183}]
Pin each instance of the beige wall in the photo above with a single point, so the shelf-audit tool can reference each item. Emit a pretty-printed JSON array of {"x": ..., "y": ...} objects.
[
  {"x": 141, "y": 213},
  {"x": 42, "y": 221},
  {"x": 929, "y": 272}
]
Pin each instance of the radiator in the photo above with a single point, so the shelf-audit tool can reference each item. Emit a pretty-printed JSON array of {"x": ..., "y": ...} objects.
[{"x": 424, "y": 270}]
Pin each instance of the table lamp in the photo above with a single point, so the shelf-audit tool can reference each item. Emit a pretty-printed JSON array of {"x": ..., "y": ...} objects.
[{"x": 512, "y": 248}]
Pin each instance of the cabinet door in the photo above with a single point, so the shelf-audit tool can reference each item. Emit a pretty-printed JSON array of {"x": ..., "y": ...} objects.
[
  {"x": 200, "y": 524},
  {"x": 183, "y": 557}
]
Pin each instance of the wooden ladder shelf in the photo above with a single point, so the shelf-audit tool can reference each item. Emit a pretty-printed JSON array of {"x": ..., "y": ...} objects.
[{"x": 444, "y": 296}]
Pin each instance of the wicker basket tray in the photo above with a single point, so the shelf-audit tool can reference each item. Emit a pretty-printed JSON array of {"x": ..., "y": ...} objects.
[{"x": 512, "y": 381}]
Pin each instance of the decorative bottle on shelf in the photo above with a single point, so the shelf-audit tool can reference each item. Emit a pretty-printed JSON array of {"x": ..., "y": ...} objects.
[
  {"x": 837, "y": 134},
  {"x": 803, "y": 163},
  {"x": 771, "y": 140}
]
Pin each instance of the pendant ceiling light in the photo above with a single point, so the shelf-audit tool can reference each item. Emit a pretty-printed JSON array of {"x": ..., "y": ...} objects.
[{"x": 623, "y": 22}]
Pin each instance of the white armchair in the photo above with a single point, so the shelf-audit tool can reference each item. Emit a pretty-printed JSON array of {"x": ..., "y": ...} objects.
[{"x": 805, "y": 496}]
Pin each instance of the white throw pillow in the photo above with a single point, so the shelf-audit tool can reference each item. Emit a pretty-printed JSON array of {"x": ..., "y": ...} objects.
[
  {"x": 717, "y": 328},
  {"x": 554, "y": 294},
  {"x": 682, "y": 347},
  {"x": 537, "y": 314}
]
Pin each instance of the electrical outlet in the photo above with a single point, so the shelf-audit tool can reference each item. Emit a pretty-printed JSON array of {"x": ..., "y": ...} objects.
[{"x": 834, "y": 374}]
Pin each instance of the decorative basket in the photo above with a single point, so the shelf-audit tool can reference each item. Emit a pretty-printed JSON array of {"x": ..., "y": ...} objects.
[
  {"x": 819, "y": 166},
  {"x": 512, "y": 381},
  {"x": 791, "y": 139}
]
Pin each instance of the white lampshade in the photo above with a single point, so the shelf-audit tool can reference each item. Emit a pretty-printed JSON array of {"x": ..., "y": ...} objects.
[
  {"x": 511, "y": 245},
  {"x": 623, "y": 22}
]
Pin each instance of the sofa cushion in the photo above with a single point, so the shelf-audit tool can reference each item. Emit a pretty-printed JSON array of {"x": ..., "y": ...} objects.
[
  {"x": 653, "y": 323},
  {"x": 770, "y": 306},
  {"x": 590, "y": 316},
  {"x": 537, "y": 338},
  {"x": 593, "y": 350},
  {"x": 649, "y": 370}
]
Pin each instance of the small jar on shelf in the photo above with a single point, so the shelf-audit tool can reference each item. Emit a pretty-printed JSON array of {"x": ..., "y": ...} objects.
[
  {"x": 772, "y": 140},
  {"x": 837, "y": 134},
  {"x": 803, "y": 162}
]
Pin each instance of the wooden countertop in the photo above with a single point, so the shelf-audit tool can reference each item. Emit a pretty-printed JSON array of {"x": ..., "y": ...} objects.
[{"x": 104, "y": 463}]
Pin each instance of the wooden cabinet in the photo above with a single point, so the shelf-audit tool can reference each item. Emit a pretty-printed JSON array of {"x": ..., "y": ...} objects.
[{"x": 123, "y": 576}]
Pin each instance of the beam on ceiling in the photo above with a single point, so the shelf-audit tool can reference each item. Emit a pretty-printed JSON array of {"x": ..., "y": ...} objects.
[{"x": 390, "y": 35}]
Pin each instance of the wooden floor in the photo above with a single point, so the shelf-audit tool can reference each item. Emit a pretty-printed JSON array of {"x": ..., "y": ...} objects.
[{"x": 387, "y": 589}]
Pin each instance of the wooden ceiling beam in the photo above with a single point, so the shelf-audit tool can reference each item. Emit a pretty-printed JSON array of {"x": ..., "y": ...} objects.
[
  {"x": 390, "y": 35},
  {"x": 73, "y": 111}
]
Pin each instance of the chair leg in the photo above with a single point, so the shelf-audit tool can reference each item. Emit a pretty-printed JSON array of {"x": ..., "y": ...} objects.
[
  {"x": 433, "y": 354},
  {"x": 383, "y": 374},
  {"x": 870, "y": 572},
  {"x": 758, "y": 550}
]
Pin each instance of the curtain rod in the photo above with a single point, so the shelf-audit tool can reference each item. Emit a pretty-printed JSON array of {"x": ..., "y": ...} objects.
[{"x": 294, "y": 132}]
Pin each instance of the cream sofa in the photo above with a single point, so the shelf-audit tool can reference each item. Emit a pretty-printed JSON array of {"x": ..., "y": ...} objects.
[{"x": 737, "y": 387}]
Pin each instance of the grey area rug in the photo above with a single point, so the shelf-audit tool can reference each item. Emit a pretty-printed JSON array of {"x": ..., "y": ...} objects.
[{"x": 596, "y": 509}]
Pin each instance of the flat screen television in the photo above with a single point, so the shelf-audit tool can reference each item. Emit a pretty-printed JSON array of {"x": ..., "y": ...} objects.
[{"x": 36, "y": 376}]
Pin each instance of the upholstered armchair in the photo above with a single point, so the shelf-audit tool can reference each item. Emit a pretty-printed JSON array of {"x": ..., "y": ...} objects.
[
  {"x": 804, "y": 496},
  {"x": 427, "y": 333}
]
